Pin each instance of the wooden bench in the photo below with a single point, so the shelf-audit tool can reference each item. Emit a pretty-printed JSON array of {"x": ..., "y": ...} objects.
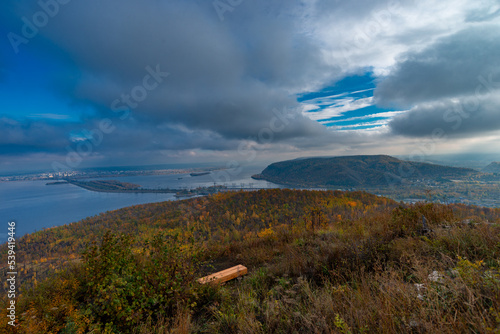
[{"x": 225, "y": 275}]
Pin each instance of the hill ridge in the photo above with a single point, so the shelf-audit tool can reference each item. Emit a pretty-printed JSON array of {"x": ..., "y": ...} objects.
[
  {"x": 358, "y": 170},
  {"x": 493, "y": 167}
]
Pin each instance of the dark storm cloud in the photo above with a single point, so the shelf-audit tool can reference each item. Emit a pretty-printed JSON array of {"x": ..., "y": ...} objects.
[
  {"x": 453, "y": 85},
  {"x": 224, "y": 76},
  {"x": 452, "y": 67},
  {"x": 235, "y": 114},
  {"x": 21, "y": 137},
  {"x": 228, "y": 79},
  {"x": 465, "y": 117},
  {"x": 357, "y": 9},
  {"x": 58, "y": 139},
  {"x": 157, "y": 138}
]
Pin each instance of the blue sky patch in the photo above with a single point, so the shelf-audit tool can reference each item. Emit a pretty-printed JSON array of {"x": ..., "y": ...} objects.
[{"x": 347, "y": 105}]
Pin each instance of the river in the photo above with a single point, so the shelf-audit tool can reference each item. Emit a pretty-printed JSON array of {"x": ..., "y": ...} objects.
[{"x": 34, "y": 206}]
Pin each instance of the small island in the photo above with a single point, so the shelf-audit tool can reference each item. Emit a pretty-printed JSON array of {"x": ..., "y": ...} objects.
[
  {"x": 199, "y": 174},
  {"x": 112, "y": 186},
  {"x": 106, "y": 185},
  {"x": 55, "y": 183}
]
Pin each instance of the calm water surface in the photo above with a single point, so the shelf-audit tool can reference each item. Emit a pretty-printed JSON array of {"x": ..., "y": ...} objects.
[{"x": 35, "y": 206}]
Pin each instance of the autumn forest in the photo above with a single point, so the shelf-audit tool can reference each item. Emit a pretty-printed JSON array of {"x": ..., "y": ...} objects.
[{"x": 318, "y": 261}]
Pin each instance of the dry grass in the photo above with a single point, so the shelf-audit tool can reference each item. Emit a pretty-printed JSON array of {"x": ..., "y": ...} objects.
[
  {"x": 371, "y": 274},
  {"x": 361, "y": 276}
]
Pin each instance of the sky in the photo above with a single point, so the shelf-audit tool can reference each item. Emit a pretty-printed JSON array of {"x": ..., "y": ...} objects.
[{"x": 236, "y": 82}]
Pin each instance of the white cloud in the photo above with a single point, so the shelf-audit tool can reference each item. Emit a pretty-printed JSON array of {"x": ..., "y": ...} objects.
[
  {"x": 387, "y": 114},
  {"x": 361, "y": 124},
  {"x": 341, "y": 106},
  {"x": 50, "y": 116},
  {"x": 375, "y": 33}
]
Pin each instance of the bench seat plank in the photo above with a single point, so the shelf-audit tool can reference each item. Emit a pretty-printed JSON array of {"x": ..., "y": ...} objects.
[{"x": 224, "y": 275}]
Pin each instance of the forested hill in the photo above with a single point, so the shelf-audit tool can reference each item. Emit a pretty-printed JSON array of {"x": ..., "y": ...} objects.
[
  {"x": 355, "y": 171},
  {"x": 494, "y": 167},
  {"x": 241, "y": 213}
]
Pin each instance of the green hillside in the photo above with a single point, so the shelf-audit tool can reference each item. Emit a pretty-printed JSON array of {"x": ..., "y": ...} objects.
[{"x": 358, "y": 171}]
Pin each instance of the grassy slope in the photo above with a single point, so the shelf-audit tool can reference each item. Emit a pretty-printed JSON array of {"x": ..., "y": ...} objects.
[{"x": 319, "y": 262}]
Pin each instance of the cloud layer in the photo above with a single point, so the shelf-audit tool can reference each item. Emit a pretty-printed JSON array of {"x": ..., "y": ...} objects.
[
  {"x": 233, "y": 71},
  {"x": 453, "y": 66},
  {"x": 453, "y": 85}
]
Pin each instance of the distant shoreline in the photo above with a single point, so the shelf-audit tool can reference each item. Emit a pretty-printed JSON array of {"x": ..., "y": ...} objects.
[
  {"x": 118, "y": 187},
  {"x": 60, "y": 176},
  {"x": 111, "y": 186}
]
